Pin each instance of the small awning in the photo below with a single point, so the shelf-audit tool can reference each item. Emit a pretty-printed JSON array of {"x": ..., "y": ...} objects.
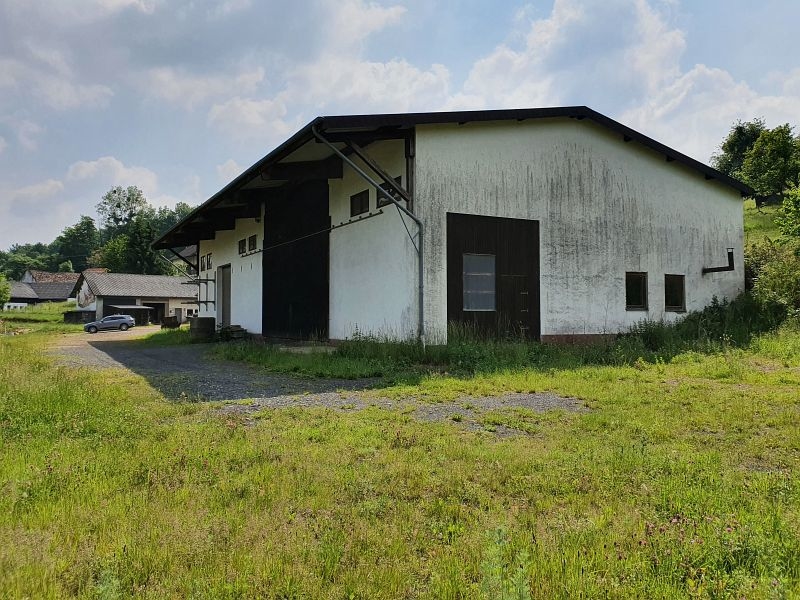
[{"x": 130, "y": 307}]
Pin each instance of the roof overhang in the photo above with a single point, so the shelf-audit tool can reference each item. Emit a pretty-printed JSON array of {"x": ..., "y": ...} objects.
[{"x": 300, "y": 158}]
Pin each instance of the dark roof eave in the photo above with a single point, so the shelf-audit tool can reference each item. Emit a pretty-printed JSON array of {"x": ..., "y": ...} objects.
[
  {"x": 356, "y": 122},
  {"x": 298, "y": 139}
]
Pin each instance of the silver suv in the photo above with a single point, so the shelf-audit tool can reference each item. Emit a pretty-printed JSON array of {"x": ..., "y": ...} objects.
[{"x": 121, "y": 322}]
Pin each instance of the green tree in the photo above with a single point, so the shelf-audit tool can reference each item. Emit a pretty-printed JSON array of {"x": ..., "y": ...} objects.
[
  {"x": 24, "y": 257},
  {"x": 5, "y": 290},
  {"x": 165, "y": 218},
  {"x": 113, "y": 255},
  {"x": 789, "y": 217},
  {"x": 119, "y": 207},
  {"x": 76, "y": 243},
  {"x": 66, "y": 267},
  {"x": 737, "y": 144},
  {"x": 773, "y": 163},
  {"x": 142, "y": 258}
]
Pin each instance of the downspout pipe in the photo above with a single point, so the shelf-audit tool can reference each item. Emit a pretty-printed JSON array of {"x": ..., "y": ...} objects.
[{"x": 420, "y": 262}]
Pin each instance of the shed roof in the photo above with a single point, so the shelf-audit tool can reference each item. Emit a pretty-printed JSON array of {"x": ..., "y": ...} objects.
[
  {"x": 22, "y": 291},
  {"x": 53, "y": 290},
  {"x": 137, "y": 286},
  {"x": 200, "y": 222}
]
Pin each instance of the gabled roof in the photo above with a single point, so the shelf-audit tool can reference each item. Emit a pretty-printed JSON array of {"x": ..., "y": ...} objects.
[
  {"x": 395, "y": 124},
  {"x": 48, "y": 277},
  {"x": 22, "y": 291},
  {"x": 54, "y": 290},
  {"x": 137, "y": 286}
]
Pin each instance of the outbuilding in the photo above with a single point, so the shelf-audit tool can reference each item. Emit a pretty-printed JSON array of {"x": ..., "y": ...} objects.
[
  {"x": 555, "y": 224},
  {"x": 145, "y": 297}
]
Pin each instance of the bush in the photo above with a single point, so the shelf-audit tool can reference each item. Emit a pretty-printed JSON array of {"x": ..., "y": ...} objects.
[{"x": 778, "y": 279}]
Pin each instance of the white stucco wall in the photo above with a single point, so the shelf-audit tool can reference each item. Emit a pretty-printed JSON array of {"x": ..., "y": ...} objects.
[
  {"x": 86, "y": 300},
  {"x": 246, "y": 274},
  {"x": 604, "y": 207},
  {"x": 373, "y": 268}
]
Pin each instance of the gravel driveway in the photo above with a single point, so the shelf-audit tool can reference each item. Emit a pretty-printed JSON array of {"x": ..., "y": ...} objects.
[{"x": 188, "y": 373}]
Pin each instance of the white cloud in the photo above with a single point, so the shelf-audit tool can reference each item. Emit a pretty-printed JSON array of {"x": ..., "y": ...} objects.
[
  {"x": 351, "y": 21},
  {"x": 695, "y": 111},
  {"x": 26, "y": 131},
  {"x": 229, "y": 170},
  {"x": 37, "y": 191},
  {"x": 188, "y": 90},
  {"x": 624, "y": 55},
  {"x": 110, "y": 171},
  {"x": 229, "y": 7},
  {"x": 245, "y": 118},
  {"x": 48, "y": 80},
  {"x": 381, "y": 86}
]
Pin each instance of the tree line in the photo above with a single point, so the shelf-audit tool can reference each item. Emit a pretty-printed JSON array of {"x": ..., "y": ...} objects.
[{"x": 120, "y": 242}]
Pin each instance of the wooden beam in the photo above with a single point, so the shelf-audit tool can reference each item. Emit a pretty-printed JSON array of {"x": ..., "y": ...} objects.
[
  {"x": 367, "y": 137},
  {"x": 329, "y": 168}
]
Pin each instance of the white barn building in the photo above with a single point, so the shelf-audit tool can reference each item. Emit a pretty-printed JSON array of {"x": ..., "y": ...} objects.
[{"x": 557, "y": 223}]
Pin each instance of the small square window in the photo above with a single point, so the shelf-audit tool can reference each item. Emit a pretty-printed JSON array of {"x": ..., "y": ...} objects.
[
  {"x": 674, "y": 293},
  {"x": 383, "y": 201},
  {"x": 202, "y": 263},
  {"x": 359, "y": 203},
  {"x": 479, "y": 282},
  {"x": 242, "y": 246},
  {"x": 208, "y": 261},
  {"x": 251, "y": 243},
  {"x": 635, "y": 291}
]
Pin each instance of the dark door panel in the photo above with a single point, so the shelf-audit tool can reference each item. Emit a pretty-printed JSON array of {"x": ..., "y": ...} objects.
[
  {"x": 295, "y": 292},
  {"x": 514, "y": 244}
]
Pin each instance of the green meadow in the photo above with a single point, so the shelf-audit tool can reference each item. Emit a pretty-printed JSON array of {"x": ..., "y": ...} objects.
[{"x": 680, "y": 480}]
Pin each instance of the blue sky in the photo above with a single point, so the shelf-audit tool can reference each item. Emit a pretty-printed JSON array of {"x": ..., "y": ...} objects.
[{"x": 179, "y": 97}]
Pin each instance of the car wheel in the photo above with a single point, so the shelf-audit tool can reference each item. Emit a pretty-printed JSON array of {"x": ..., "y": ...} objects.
[
  {"x": 123, "y": 327},
  {"x": 92, "y": 329}
]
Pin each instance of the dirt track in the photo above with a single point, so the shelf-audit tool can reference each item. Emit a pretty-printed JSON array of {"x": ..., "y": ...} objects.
[{"x": 188, "y": 373}]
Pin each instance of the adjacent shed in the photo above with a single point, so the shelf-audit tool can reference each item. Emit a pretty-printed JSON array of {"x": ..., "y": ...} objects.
[{"x": 146, "y": 297}]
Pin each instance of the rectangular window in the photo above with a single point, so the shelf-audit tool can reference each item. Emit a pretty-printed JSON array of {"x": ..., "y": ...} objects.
[
  {"x": 635, "y": 291},
  {"x": 251, "y": 243},
  {"x": 242, "y": 246},
  {"x": 674, "y": 293},
  {"x": 383, "y": 201},
  {"x": 208, "y": 261},
  {"x": 202, "y": 263},
  {"x": 359, "y": 203},
  {"x": 479, "y": 282}
]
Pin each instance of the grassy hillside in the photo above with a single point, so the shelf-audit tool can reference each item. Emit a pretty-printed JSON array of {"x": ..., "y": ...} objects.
[
  {"x": 760, "y": 224},
  {"x": 681, "y": 480}
]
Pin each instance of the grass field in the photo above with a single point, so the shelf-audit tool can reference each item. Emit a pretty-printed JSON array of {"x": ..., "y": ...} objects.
[
  {"x": 46, "y": 317},
  {"x": 760, "y": 224},
  {"x": 683, "y": 480}
]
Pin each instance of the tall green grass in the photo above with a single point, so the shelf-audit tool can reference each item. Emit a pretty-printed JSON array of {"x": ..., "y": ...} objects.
[
  {"x": 468, "y": 352},
  {"x": 44, "y": 317},
  {"x": 681, "y": 481}
]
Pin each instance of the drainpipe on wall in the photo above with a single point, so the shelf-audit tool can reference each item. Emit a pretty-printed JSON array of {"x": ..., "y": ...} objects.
[{"x": 381, "y": 191}]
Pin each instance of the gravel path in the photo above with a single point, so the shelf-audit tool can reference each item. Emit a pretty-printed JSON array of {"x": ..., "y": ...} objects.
[{"x": 187, "y": 372}]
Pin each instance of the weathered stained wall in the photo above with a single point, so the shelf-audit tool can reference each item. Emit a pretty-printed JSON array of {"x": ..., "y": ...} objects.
[
  {"x": 373, "y": 264},
  {"x": 246, "y": 274},
  {"x": 604, "y": 206}
]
